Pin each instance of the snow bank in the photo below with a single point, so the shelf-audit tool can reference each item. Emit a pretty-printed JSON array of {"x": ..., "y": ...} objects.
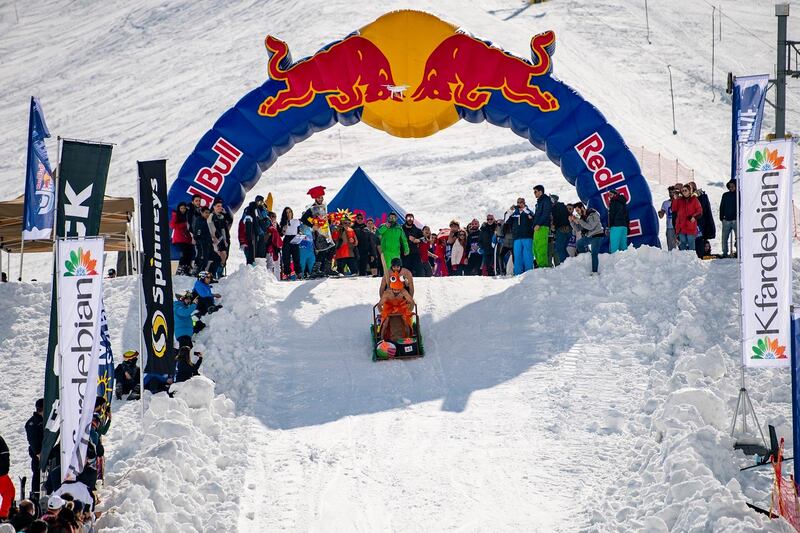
[{"x": 183, "y": 472}]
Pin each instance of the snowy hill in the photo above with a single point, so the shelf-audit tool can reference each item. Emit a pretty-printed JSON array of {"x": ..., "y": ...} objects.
[{"x": 553, "y": 402}]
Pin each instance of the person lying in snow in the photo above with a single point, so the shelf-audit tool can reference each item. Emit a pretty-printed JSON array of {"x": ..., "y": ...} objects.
[{"x": 396, "y": 301}]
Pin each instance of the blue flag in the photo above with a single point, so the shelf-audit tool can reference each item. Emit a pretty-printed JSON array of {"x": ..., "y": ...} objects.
[
  {"x": 749, "y": 94},
  {"x": 40, "y": 190}
]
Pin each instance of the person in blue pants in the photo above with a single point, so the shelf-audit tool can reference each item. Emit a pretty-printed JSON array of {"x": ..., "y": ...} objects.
[
  {"x": 618, "y": 221},
  {"x": 592, "y": 233},
  {"x": 520, "y": 219}
]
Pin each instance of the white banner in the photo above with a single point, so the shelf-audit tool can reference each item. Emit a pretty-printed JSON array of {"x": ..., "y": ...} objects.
[
  {"x": 80, "y": 289},
  {"x": 765, "y": 251}
]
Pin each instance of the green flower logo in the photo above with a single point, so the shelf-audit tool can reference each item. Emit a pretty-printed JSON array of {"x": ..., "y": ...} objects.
[
  {"x": 80, "y": 263},
  {"x": 766, "y": 160},
  {"x": 767, "y": 348}
]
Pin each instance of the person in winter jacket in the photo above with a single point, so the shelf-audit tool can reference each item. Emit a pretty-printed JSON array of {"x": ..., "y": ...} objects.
[
  {"x": 618, "y": 221},
  {"x": 392, "y": 241},
  {"x": 687, "y": 210},
  {"x": 666, "y": 211},
  {"x": 34, "y": 431},
  {"x": 541, "y": 226},
  {"x": 182, "y": 238},
  {"x": 248, "y": 234},
  {"x": 346, "y": 246},
  {"x": 473, "y": 248},
  {"x": 182, "y": 310},
  {"x": 307, "y": 257},
  {"x": 707, "y": 229},
  {"x": 412, "y": 260},
  {"x": 206, "y": 257},
  {"x": 221, "y": 222},
  {"x": 205, "y": 296},
  {"x": 521, "y": 222},
  {"x": 193, "y": 209},
  {"x": 485, "y": 242},
  {"x": 126, "y": 374},
  {"x": 367, "y": 245},
  {"x": 184, "y": 368},
  {"x": 561, "y": 228},
  {"x": 290, "y": 230},
  {"x": 592, "y": 232},
  {"x": 262, "y": 224},
  {"x": 459, "y": 254},
  {"x": 7, "y": 490},
  {"x": 728, "y": 216},
  {"x": 425, "y": 252}
]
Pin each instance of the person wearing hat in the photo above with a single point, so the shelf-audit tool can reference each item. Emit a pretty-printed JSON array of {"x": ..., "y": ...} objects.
[
  {"x": 54, "y": 504},
  {"x": 34, "y": 431},
  {"x": 346, "y": 247},
  {"x": 262, "y": 224},
  {"x": 392, "y": 241},
  {"x": 316, "y": 218},
  {"x": 127, "y": 375},
  {"x": 182, "y": 311},
  {"x": 618, "y": 221},
  {"x": 395, "y": 301},
  {"x": 727, "y": 215}
]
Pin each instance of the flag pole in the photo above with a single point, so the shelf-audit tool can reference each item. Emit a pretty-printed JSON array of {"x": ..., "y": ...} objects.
[{"x": 138, "y": 260}]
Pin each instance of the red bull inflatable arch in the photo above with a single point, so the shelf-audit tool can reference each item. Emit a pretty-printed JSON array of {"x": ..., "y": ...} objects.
[{"x": 411, "y": 74}]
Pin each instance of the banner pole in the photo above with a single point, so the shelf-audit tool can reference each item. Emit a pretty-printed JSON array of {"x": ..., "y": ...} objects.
[
  {"x": 21, "y": 256},
  {"x": 142, "y": 354}
]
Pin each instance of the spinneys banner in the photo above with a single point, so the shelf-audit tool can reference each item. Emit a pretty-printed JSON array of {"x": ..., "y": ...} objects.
[
  {"x": 83, "y": 169},
  {"x": 765, "y": 248},
  {"x": 80, "y": 290},
  {"x": 156, "y": 271}
]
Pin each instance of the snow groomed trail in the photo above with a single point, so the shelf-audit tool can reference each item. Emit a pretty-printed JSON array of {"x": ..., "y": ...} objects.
[{"x": 527, "y": 412}]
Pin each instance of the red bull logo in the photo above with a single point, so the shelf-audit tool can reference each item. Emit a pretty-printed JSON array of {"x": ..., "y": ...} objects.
[
  {"x": 354, "y": 71},
  {"x": 462, "y": 69},
  {"x": 591, "y": 151},
  {"x": 213, "y": 177}
]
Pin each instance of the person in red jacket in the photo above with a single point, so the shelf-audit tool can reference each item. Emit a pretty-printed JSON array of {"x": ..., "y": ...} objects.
[
  {"x": 182, "y": 238},
  {"x": 7, "y": 490},
  {"x": 687, "y": 210}
]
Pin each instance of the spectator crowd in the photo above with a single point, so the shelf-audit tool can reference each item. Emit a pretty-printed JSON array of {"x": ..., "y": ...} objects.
[{"x": 545, "y": 234}]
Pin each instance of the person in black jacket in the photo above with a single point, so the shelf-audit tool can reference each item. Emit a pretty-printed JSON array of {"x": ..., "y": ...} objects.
[
  {"x": 221, "y": 221},
  {"x": 487, "y": 231},
  {"x": 520, "y": 221},
  {"x": 412, "y": 261},
  {"x": 247, "y": 233},
  {"x": 184, "y": 368},
  {"x": 203, "y": 242},
  {"x": 367, "y": 245},
  {"x": 561, "y": 228},
  {"x": 126, "y": 375},
  {"x": 34, "y": 430},
  {"x": 727, "y": 215},
  {"x": 618, "y": 221}
]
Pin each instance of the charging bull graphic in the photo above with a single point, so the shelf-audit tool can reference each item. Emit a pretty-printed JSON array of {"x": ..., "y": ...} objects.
[
  {"x": 449, "y": 76},
  {"x": 354, "y": 69},
  {"x": 472, "y": 67}
]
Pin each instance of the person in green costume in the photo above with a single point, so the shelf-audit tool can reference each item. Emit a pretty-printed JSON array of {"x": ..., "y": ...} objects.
[{"x": 393, "y": 241}]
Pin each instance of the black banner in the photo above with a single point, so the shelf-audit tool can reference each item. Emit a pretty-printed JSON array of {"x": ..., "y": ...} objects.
[
  {"x": 156, "y": 268},
  {"x": 82, "y": 174}
]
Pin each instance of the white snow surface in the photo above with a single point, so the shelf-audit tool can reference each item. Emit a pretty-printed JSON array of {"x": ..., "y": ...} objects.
[{"x": 550, "y": 402}]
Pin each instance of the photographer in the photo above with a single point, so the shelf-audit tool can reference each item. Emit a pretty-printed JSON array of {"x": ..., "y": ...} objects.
[
  {"x": 182, "y": 312},
  {"x": 185, "y": 369}
]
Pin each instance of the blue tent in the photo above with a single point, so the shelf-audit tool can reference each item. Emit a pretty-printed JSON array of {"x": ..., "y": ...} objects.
[{"x": 361, "y": 195}]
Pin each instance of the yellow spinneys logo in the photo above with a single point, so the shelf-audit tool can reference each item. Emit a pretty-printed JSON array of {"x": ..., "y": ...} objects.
[
  {"x": 159, "y": 334},
  {"x": 80, "y": 263},
  {"x": 768, "y": 348}
]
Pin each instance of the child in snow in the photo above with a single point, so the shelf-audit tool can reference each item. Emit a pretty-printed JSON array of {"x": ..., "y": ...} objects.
[{"x": 307, "y": 257}]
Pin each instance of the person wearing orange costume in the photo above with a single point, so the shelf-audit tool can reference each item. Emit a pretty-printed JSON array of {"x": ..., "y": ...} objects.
[{"x": 395, "y": 301}]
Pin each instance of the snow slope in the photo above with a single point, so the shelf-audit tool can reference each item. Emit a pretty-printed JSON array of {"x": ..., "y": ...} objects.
[{"x": 551, "y": 402}]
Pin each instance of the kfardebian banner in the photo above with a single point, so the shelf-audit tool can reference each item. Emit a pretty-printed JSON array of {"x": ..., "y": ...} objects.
[
  {"x": 80, "y": 291},
  {"x": 765, "y": 247},
  {"x": 749, "y": 94},
  {"x": 40, "y": 189}
]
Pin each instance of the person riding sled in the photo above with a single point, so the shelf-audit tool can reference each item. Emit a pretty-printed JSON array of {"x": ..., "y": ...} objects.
[
  {"x": 403, "y": 273},
  {"x": 396, "y": 302}
]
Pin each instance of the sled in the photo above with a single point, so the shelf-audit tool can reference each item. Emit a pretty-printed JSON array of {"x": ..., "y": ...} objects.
[{"x": 401, "y": 343}]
